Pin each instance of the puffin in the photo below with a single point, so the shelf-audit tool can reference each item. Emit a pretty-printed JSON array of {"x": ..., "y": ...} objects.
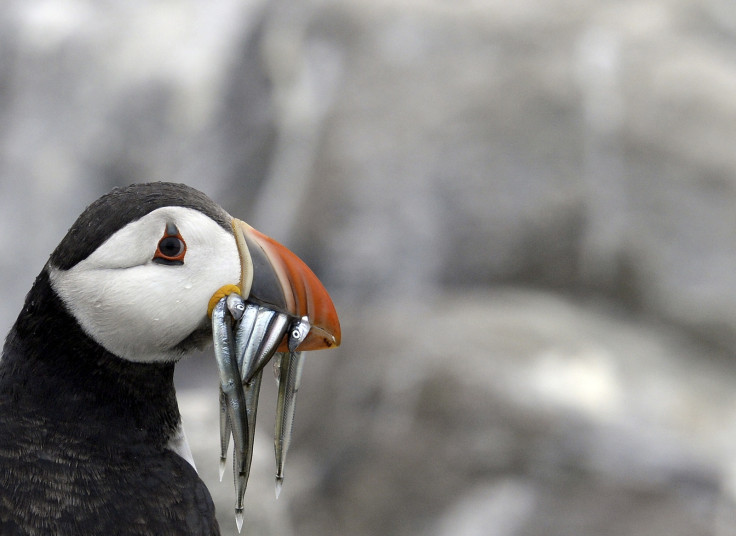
[{"x": 91, "y": 440}]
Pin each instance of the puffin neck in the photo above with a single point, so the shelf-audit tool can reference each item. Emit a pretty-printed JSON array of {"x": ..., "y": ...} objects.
[{"x": 51, "y": 363}]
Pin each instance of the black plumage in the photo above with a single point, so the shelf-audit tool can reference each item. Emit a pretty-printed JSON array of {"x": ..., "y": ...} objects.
[
  {"x": 124, "y": 205},
  {"x": 83, "y": 433}
]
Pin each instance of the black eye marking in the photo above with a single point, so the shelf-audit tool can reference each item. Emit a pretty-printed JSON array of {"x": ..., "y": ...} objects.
[{"x": 171, "y": 248}]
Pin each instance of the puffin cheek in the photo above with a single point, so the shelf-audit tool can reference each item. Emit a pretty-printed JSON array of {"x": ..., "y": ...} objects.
[
  {"x": 176, "y": 306},
  {"x": 140, "y": 318}
]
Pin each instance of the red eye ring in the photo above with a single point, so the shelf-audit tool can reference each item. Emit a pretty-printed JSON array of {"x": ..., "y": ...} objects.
[{"x": 171, "y": 248}]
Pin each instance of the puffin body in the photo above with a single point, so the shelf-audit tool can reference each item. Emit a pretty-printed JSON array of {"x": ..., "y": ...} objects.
[
  {"x": 90, "y": 431},
  {"x": 84, "y": 436}
]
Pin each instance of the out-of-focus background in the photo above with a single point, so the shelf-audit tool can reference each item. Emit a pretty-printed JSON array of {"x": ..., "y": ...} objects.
[{"x": 525, "y": 211}]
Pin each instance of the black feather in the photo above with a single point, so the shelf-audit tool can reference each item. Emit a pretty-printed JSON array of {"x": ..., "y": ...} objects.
[{"x": 114, "y": 210}]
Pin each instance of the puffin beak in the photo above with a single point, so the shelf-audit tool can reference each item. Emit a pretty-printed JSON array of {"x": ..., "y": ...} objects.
[{"x": 273, "y": 276}]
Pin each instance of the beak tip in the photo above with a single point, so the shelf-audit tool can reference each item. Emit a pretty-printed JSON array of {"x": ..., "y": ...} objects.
[{"x": 321, "y": 339}]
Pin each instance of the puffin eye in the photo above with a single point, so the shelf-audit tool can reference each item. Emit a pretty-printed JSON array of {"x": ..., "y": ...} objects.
[{"x": 171, "y": 248}]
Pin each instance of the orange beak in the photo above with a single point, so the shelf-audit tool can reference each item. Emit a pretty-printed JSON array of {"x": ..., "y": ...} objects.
[{"x": 273, "y": 276}]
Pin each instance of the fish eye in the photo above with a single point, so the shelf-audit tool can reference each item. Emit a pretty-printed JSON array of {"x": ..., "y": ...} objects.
[{"x": 171, "y": 248}]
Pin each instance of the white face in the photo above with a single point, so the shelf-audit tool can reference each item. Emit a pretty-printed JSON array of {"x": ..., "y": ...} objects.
[{"x": 139, "y": 309}]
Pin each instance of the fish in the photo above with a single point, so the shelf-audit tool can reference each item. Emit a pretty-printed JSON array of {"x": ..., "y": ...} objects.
[
  {"x": 245, "y": 314},
  {"x": 250, "y": 333},
  {"x": 246, "y": 337},
  {"x": 268, "y": 331},
  {"x": 234, "y": 397},
  {"x": 290, "y": 366},
  {"x": 225, "y": 432}
]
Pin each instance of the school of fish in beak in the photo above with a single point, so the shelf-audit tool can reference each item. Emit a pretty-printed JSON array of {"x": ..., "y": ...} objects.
[{"x": 254, "y": 323}]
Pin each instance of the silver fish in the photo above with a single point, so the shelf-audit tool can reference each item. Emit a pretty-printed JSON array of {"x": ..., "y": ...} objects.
[
  {"x": 249, "y": 334},
  {"x": 257, "y": 335},
  {"x": 234, "y": 395},
  {"x": 241, "y": 357},
  {"x": 252, "y": 392},
  {"x": 225, "y": 432},
  {"x": 250, "y": 347},
  {"x": 244, "y": 333},
  {"x": 275, "y": 328},
  {"x": 289, "y": 378},
  {"x": 252, "y": 371},
  {"x": 246, "y": 314}
]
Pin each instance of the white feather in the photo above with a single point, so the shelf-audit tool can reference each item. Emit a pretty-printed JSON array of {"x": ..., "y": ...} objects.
[
  {"x": 141, "y": 310},
  {"x": 178, "y": 443}
]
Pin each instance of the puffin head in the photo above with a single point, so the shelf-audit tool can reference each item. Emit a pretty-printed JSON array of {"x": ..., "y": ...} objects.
[{"x": 138, "y": 268}]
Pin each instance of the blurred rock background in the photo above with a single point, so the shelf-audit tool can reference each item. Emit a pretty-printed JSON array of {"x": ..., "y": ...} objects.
[{"x": 525, "y": 212}]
